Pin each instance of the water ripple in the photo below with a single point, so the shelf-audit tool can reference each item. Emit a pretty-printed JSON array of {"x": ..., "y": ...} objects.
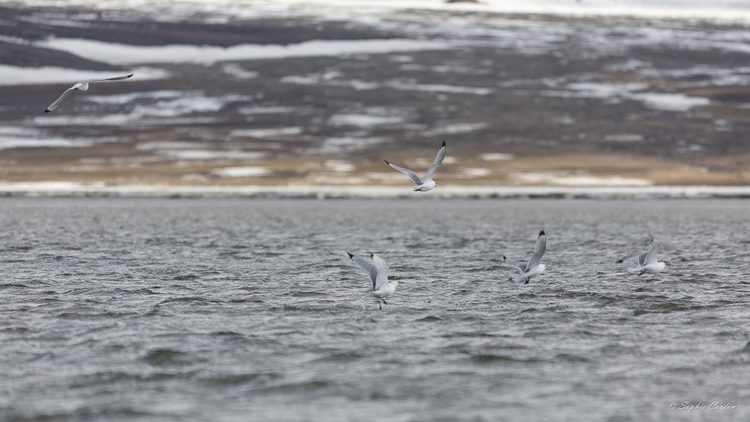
[{"x": 158, "y": 309}]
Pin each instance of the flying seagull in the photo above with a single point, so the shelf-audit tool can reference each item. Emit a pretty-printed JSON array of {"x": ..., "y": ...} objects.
[
  {"x": 378, "y": 274},
  {"x": 423, "y": 185},
  {"x": 534, "y": 267},
  {"x": 647, "y": 261},
  {"x": 81, "y": 86}
]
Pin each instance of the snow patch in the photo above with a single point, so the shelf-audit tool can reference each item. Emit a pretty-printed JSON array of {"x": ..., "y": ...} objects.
[{"x": 234, "y": 172}]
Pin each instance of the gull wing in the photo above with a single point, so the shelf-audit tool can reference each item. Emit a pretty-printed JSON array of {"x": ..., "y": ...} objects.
[
  {"x": 642, "y": 258},
  {"x": 370, "y": 269},
  {"x": 413, "y": 176},
  {"x": 116, "y": 78},
  {"x": 520, "y": 265},
  {"x": 651, "y": 255},
  {"x": 60, "y": 100},
  {"x": 639, "y": 255},
  {"x": 382, "y": 266},
  {"x": 438, "y": 159},
  {"x": 539, "y": 248}
]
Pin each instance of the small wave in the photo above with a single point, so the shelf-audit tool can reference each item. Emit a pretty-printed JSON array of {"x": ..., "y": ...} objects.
[
  {"x": 616, "y": 348},
  {"x": 569, "y": 357},
  {"x": 605, "y": 301},
  {"x": 233, "y": 338},
  {"x": 186, "y": 277},
  {"x": 429, "y": 319},
  {"x": 297, "y": 388},
  {"x": 169, "y": 357},
  {"x": 477, "y": 334},
  {"x": 231, "y": 380},
  {"x": 114, "y": 377},
  {"x": 191, "y": 299},
  {"x": 11, "y": 285},
  {"x": 308, "y": 294},
  {"x": 76, "y": 316},
  {"x": 14, "y": 330},
  {"x": 665, "y": 308},
  {"x": 41, "y": 357},
  {"x": 485, "y": 359},
  {"x": 341, "y": 357}
]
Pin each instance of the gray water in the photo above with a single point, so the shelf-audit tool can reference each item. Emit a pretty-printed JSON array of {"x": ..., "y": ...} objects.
[{"x": 223, "y": 310}]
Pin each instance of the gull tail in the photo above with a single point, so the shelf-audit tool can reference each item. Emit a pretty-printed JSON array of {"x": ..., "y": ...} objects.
[
  {"x": 520, "y": 278},
  {"x": 637, "y": 269}
]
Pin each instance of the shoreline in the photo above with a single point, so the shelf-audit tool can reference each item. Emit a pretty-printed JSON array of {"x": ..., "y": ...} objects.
[{"x": 72, "y": 189}]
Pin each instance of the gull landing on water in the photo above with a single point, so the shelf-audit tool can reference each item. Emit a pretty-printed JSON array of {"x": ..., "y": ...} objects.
[
  {"x": 534, "y": 267},
  {"x": 378, "y": 274},
  {"x": 647, "y": 261},
  {"x": 81, "y": 86},
  {"x": 423, "y": 185}
]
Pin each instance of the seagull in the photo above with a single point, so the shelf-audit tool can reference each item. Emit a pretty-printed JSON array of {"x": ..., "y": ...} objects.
[
  {"x": 378, "y": 274},
  {"x": 534, "y": 267},
  {"x": 647, "y": 261},
  {"x": 423, "y": 185},
  {"x": 81, "y": 86}
]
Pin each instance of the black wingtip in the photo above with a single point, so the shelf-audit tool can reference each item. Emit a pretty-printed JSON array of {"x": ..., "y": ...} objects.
[
  {"x": 386, "y": 161},
  {"x": 372, "y": 255},
  {"x": 131, "y": 75},
  {"x": 443, "y": 144},
  {"x": 47, "y": 111},
  {"x": 619, "y": 261},
  {"x": 504, "y": 258},
  {"x": 541, "y": 233},
  {"x": 350, "y": 255}
]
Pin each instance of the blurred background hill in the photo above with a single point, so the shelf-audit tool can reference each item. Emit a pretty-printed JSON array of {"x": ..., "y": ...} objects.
[{"x": 278, "y": 93}]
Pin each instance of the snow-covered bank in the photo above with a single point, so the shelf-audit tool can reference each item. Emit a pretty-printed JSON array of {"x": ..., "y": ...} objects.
[
  {"x": 13, "y": 75},
  {"x": 343, "y": 192},
  {"x": 123, "y": 54},
  {"x": 729, "y": 10}
]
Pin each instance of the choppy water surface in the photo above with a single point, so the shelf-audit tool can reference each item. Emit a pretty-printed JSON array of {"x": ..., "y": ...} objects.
[{"x": 159, "y": 309}]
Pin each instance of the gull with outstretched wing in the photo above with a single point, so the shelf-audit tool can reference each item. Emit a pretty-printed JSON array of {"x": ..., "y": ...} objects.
[
  {"x": 427, "y": 183},
  {"x": 81, "y": 86},
  {"x": 377, "y": 271},
  {"x": 647, "y": 261},
  {"x": 534, "y": 267}
]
